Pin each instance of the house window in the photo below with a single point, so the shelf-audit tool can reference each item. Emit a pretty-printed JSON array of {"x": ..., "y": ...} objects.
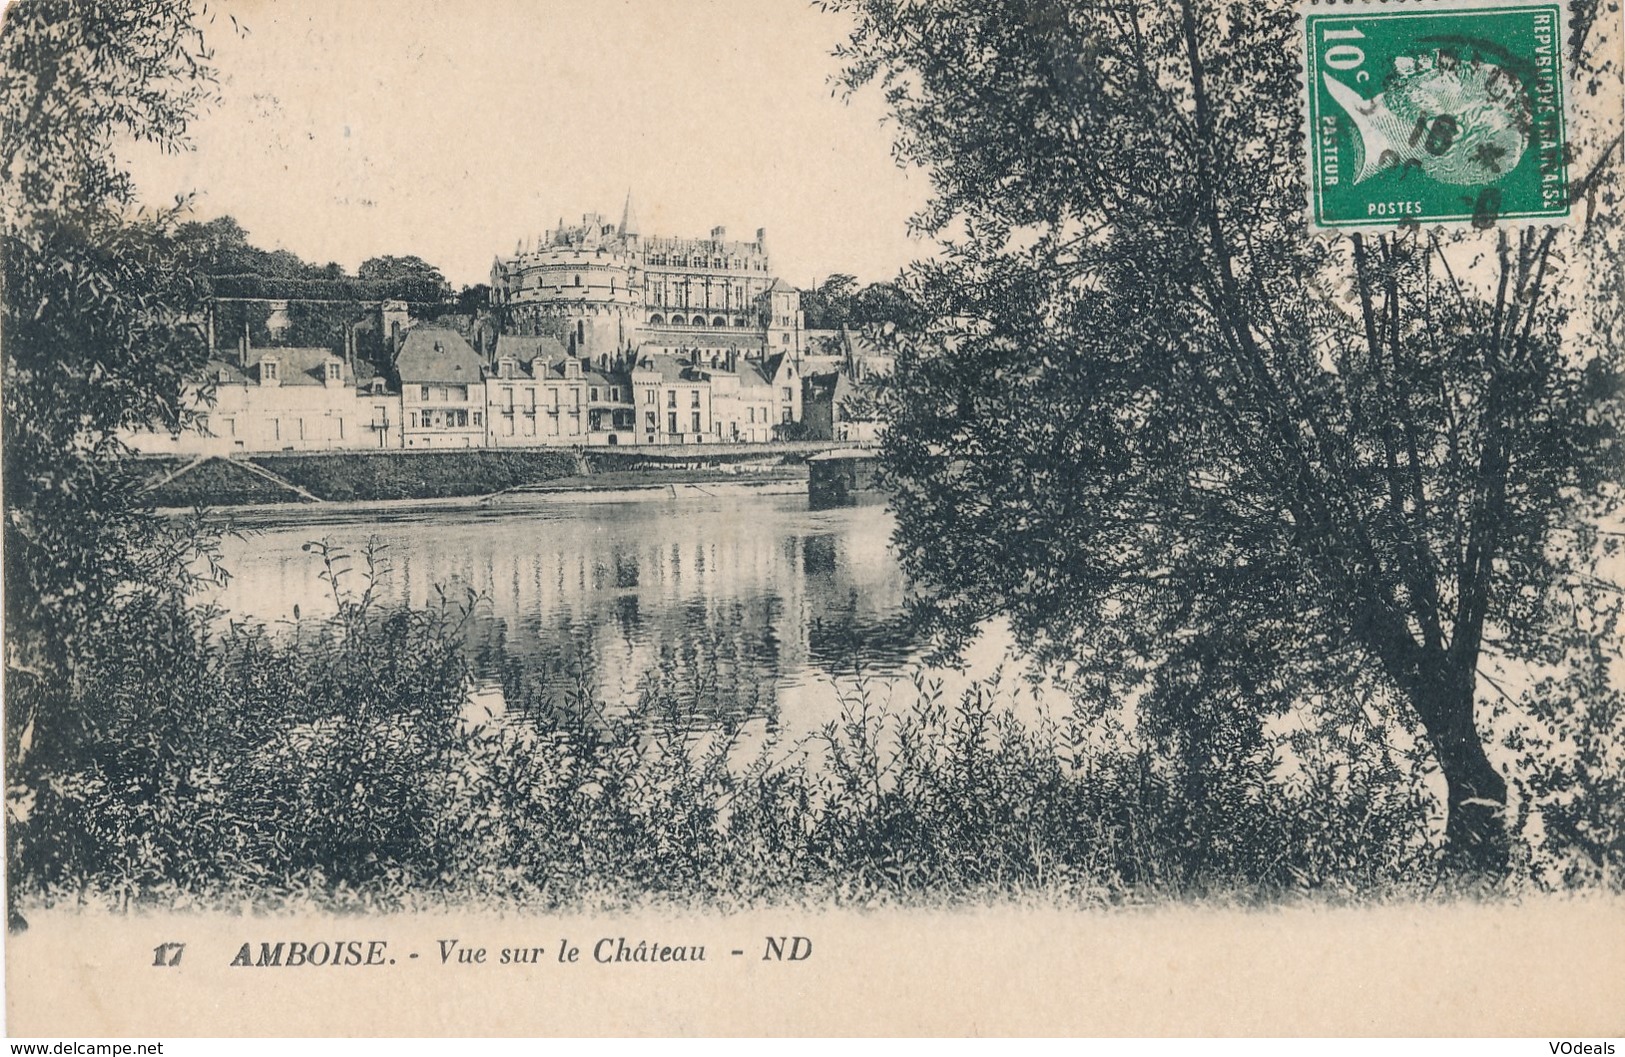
[
  {"x": 268, "y": 370},
  {"x": 507, "y": 400},
  {"x": 649, "y": 420},
  {"x": 615, "y": 393},
  {"x": 786, "y": 395},
  {"x": 696, "y": 422},
  {"x": 424, "y": 395},
  {"x": 693, "y": 398},
  {"x": 333, "y": 371},
  {"x": 593, "y": 396},
  {"x": 671, "y": 399},
  {"x": 750, "y": 414},
  {"x": 648, "y": 396},
  {"x": 671, "y": 422},
  {"x": 786, "y": 414}
]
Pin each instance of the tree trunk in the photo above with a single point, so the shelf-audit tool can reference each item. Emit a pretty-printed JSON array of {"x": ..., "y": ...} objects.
[{"x": 1476, "y": 837}]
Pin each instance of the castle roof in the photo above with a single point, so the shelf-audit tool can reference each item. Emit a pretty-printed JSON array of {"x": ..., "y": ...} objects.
[{"x": 629, "y": 219}]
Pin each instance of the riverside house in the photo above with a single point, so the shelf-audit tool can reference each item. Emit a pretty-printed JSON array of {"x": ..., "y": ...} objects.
[
  {"x": 532, "y": 392},
  {"x": 281, "y": 399},
  {"x": 442, "y": 385},
  {"x": 536, "y": 393}
]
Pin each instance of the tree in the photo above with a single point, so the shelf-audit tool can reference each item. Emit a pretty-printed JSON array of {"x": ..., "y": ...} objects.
[
  {"x": 880, "y": 303},
  {"x": 1209, "y": 462},
  {"x": 829, "y": 305},
  {"x": 391, "y": 268},
  {"x": 475, "y": 299},
  {"x": 102, "y": 317}
]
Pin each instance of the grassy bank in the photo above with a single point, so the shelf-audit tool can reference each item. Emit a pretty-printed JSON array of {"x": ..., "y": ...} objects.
[
  {"x": 419, "y": 476},
  {"x": 387, "y": 476},
  {"x": 352, "y": 476}
]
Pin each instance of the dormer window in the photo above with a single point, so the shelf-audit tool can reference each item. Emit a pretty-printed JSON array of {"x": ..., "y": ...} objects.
[
  {"x": 268, "y": 371},
  {"x": 334, "y": 370}
]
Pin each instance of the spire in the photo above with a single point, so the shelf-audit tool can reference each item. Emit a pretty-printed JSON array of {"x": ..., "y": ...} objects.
[{"x": 629, "y": 219}]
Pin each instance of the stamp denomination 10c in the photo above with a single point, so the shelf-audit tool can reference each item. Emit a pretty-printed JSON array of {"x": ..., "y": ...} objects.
[{"x": 1436, "y": 114}]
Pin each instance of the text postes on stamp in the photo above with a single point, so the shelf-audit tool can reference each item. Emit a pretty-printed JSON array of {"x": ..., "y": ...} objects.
[{"x": 1436, "y": 114}]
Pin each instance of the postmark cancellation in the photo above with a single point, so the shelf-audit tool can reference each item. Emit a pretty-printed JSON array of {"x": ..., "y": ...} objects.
[{"x": 1435, "y": 113}]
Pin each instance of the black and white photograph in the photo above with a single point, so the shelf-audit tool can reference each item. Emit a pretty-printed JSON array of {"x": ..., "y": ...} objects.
[{"x": 863, "y": 517}]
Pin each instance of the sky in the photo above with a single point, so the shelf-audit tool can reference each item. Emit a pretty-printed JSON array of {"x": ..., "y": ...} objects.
[{"x": 453, "y": 130}]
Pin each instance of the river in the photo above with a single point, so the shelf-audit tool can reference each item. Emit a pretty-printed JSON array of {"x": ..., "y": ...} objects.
[{"x": 769, "y": 605}]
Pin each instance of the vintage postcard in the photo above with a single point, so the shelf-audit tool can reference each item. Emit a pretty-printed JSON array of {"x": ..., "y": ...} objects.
[{"x": 980, "y": 517}]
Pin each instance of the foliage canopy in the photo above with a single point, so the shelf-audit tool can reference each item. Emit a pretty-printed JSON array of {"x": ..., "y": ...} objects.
[{"x": 1210, "y": 462}]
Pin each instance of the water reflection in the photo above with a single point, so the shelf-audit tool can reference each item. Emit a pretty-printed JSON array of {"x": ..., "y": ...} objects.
[{"x": 742, "y": 602}]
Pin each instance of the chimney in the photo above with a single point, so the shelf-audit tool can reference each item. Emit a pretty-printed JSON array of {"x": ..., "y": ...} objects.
[{"x": 242, "y": 347}]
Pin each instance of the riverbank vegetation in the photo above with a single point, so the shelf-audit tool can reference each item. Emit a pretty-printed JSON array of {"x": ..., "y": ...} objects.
[{"x": 198, "y": 761}]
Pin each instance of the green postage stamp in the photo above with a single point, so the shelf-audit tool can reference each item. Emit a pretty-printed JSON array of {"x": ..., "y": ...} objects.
[{"x": 1436, "y": 113}]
